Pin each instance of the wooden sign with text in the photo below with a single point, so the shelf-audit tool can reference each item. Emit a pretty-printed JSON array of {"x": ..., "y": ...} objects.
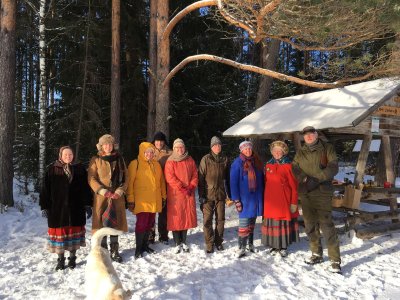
[{"x": 388, "y": 110}]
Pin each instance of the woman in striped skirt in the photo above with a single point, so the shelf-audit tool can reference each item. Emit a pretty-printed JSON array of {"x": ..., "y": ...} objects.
[
  {"x": 280, "y": 227},
  {"x": 65, "y": 200}
]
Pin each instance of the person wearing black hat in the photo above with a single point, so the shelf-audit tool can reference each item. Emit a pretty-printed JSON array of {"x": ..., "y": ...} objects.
[
  {"x": 314, "y": 165},
  {"x": 162, "y": 152}
]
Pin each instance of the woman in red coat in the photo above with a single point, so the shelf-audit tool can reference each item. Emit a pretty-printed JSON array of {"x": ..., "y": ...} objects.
[
  {"x": 280, "y": 227},
  {"x": 182, "y": 179}
]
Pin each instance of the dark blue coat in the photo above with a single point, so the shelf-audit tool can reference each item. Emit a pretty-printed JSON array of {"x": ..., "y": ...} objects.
[{"x": 252, "y": 202}]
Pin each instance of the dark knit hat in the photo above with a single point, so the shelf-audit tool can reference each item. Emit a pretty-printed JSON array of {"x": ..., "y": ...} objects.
[
  {"x": 159, "y": 136},
  {"x": 214, "y": 141},
  {"x": 308, "y": 129}
]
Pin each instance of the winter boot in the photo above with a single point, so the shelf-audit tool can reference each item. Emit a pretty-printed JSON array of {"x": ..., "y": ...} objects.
[
  {"x": 139, "y": 245},
  {"x": 251, "y": 245},
  {"x": 60, "y": 262},
  {"x": 151, "y": 237},
  {"x": 335, "y": 267},
  {"x": 314, "y": 259},
  {"x": 146, "y": 241},
  {"x": 114, "y": 254},
  {"x": 242, "y": 247},
  {"x": 72, "y": 260}
]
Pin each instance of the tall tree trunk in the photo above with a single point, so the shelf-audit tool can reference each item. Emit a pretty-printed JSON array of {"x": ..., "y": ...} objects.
[
  {"x": 79, "y": 131},
  {"x": 163, "y": 59},
  {"x": 151, "y": 94},
  {"x": 43, "y": 91},
  {"x": 115, "y": 71},
  {"x": 7, "y": 95},
  {"x": 269, "y": 59}
]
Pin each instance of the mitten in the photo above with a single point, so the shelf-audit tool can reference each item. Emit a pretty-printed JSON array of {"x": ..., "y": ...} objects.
[
  {"x": 293, "y": 208},
  {"x": 115, "y": 196},
  {"x": 45, "y": 213},
  {"x": 88, "y": 212},
  {"x": 311, "y": 183},
  {"x": 164, "y": 202},
  {"x": 228, "y": 202},
  {"x": 238, "y": 206},
  {"x": 202, "y": 200},
  {"x": 108, "y": 194}
]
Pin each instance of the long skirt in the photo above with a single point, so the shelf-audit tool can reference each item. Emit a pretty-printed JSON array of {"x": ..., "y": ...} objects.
[
  {"x": 68, "y": 238},
  {"x": 279, "y": 234}
]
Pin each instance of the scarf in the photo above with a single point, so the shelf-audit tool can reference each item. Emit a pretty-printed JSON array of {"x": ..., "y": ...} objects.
[
  {"x": 176, "y": 157},
  {"x": 67, "y": 170},
  {"x": 218, "y": 158},
  {"x": 248, "y": 167},
  {"x": 117, "y": 168},
  {"x": 314, "y": 146},
  {"x": 283, "y": 160}
]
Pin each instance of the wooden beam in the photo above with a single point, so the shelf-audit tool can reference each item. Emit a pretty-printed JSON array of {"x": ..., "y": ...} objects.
[
  {"x": 387, "y": 153},
  {"x": 362, "y": 159},
  {"x": 371, "y": 231}
]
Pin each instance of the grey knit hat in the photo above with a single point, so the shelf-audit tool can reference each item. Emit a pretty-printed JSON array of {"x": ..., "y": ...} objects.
[
  {"x": 214, "y": 141},
  {"x": 178, "y": 141}
]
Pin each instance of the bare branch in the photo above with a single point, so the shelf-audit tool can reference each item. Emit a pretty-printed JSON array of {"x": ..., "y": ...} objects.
[{"x": 250, "y": 68}]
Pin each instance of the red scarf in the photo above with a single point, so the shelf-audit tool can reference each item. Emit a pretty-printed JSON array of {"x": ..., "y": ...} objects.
[{"x": 248, "y": 167}]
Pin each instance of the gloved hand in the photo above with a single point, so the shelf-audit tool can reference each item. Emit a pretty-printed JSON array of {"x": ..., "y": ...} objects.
[
  {"x": 238, "y": 205},
  {"x": 131, "y": 206},
  {"x": 293, "y": 208},
  {"x": 115, "y": 196},
  {"x": 311, "y": 183},
  {"x": 108, "y": 194},
  {"x": 45, "y": 213},
  {"x": 202, "y": 201},
  {"x": 164, "y": 203},
  {"x": 228, "y": 202},
  {"x": 88, "y": 212}
]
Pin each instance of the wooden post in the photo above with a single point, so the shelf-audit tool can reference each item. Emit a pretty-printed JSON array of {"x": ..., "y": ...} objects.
[
  {"x": 296, "y": 141},
  {"x": 393, "y": 208},
  {"x": 362, "y": 159},
  {"x": 387, "y": 154}
]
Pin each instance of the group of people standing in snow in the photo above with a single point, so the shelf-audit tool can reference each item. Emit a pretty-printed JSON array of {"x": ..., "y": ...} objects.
[{"x": 164, "y": 181}]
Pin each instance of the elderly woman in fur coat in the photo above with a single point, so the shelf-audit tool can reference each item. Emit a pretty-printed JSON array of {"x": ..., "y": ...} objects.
[
  {"x": 107, "y": 177},
  {"x": 64, "y": 199}
]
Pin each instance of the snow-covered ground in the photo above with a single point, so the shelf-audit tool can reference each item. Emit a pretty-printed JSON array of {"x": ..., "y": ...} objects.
[{"x": 370, "y": 268}]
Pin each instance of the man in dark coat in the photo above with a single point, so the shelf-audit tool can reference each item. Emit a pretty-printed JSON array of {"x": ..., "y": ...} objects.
[
  {"x": 314, "y": 166},
  {"x": 213, "y": 179}
]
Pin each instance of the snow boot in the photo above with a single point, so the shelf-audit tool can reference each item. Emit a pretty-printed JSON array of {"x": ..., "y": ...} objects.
[
  {"x": 60, "y": 263},
  {"x": 146, "y": 241},
  {"x": 314, "y": 259},
  {"x": 114, "y": 254},
  {"x": 242, "y": 247},
  {"x": 72, "y": 262},
  {"x": 104, "y": 243},
  {"x": 251, "y": 245},
  {"x": 139, "y": 245},
  {"x": 335, "y": 267}
]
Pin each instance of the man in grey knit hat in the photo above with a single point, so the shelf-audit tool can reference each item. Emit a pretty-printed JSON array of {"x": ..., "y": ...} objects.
[{"x": 213, "y": 191}]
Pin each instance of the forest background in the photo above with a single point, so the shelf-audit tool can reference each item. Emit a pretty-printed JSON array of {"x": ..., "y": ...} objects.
[{"x": 65, "y": 55}]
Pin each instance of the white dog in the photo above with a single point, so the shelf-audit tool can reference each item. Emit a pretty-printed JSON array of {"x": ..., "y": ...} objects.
[{"x": 102, "y": 282}]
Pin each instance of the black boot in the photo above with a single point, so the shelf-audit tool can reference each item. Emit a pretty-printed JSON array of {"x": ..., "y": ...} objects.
[
  {"x": 72, "y": 260},
  {"x": 251, "y": 244},
  {"x": 145, "y": 247},
  {"x": 242, "y": 247},
  {"x": 114, "y": 254},
  {"x": 139, "y": 245},
  {"x": 60, "y": 262}
]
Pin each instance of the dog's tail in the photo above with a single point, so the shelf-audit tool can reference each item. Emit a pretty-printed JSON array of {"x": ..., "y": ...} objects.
[{"x": 99, "y": 234}]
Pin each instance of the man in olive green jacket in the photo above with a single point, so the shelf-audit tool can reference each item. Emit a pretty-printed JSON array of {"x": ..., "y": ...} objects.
[
  {"x": 213, "y": 191},
  {"x": 314, "y": 166}
]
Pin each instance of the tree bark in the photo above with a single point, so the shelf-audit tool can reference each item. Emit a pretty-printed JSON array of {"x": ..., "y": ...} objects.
[
  {"x": 7, "y": 95},
  {"x": 163, "y": 59},
  {"x": 43, "y": 91},
  {"x": 269, "y": 59},
  {"x": 115, "y": 71},
  {"x": 79, "y": 131},
  {"x": 151, "y": 106}
]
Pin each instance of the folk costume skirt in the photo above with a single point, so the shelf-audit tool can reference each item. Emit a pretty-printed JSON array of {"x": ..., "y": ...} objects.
[
  {"x": 279, "y": 234},
  {"x": 68, "y": 238}
]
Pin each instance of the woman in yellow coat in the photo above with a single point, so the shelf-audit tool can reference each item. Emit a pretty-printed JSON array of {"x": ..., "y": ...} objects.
[{"x": 146, "y": 194}]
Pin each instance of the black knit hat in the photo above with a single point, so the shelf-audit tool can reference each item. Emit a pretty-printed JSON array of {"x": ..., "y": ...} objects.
[{"x": 159, "y": 136}]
